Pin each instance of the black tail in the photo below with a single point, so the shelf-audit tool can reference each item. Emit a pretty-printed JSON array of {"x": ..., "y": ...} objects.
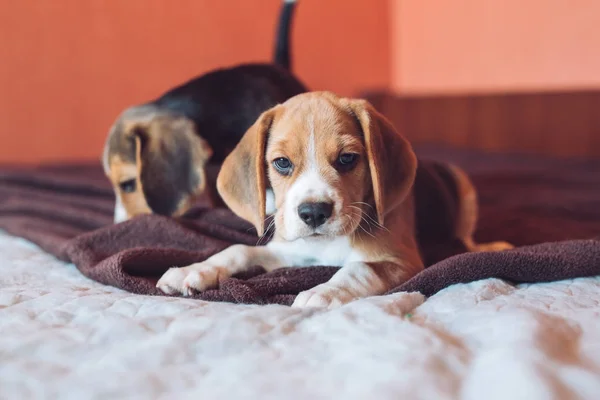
[{"x": 282, "y": 45}]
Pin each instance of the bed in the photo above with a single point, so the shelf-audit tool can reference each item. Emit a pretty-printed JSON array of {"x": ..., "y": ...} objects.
[{"x": 64, "y": 335}]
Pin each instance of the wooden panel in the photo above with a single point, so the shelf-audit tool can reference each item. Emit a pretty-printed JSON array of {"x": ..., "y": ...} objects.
[{"x": 560, "y": 124}]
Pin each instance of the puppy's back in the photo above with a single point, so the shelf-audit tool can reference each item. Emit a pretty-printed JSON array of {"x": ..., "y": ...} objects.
[{"x": 248, "y": 89}]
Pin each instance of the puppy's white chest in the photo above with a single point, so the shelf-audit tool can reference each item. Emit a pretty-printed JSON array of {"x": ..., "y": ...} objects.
[{"x": 316, "y": 251}]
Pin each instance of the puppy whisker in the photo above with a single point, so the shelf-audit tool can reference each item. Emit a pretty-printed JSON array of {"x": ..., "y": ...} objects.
[
  {"x": 365, "y": 231},
  {"x": 376, "y": 223},
  {"x": 266, "y": 235},
  {"x": 369, "y": 225},
  {"x": 345, "y": 226},
  {"x": 360, "y": 215},
  {"x": 366, "y": 215},
  {"x": 361, "y": 225},
  {"x": 363, "y": 203}
]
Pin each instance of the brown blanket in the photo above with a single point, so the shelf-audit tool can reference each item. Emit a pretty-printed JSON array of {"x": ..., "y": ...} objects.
[{"x": 67, "y": 211}]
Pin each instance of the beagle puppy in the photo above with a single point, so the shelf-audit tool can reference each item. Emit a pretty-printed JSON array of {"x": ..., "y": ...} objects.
[
  {"x": 341, "y": 181},
  {"x": 156, "y": 153}
]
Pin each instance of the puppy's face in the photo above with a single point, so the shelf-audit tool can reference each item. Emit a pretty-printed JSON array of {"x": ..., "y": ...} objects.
[
  {"x": 330, "y": 161},
  {"x": 155, "y": 162},
  {"x": 317, "y": 168}
]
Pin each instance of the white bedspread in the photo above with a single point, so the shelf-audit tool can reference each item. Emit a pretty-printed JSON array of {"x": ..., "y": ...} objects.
[{"x": 64, "y": 336}]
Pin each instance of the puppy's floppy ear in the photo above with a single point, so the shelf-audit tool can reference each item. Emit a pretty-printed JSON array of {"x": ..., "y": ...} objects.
[
  {"x": 392, "y": 162},
  {"x": 170, "y": 158},
  {"x": 242, "y": 181}
]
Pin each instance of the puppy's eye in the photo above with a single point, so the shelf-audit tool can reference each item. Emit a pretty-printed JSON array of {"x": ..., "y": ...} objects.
[
  {"x": 283, "y": 165},
  {"x": 128, "y": 186},
  {"x": 346, "y": 161}
]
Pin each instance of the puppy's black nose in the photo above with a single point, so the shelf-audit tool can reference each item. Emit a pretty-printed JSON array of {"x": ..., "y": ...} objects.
[{"x": 315, "y": 214}]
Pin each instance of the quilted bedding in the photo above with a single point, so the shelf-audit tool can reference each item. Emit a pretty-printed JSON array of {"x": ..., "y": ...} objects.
[{"x": 65, "y": 336}]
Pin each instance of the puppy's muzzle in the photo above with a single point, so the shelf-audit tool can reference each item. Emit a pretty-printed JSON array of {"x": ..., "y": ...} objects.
[{"x": 315, "y": 214}]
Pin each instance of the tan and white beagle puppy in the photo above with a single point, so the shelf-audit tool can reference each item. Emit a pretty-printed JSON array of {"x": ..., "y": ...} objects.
[{"x": 340, "y": 178}]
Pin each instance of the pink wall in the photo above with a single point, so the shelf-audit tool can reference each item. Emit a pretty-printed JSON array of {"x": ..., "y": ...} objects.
[
  {"x": 494, "y": 45},
  {"x": 68, "y": 67}
]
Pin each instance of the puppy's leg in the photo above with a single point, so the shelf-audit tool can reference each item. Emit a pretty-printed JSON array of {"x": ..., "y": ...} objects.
[
  {"x": 467, "y": 215},
  {"x": 355, "y": 280},
  {"x": 491, "y": 246},
  {"x": 209, "y": 273}
]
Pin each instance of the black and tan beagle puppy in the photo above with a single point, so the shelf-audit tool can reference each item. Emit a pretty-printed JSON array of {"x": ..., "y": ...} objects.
[{"x": 156, "y": 153}]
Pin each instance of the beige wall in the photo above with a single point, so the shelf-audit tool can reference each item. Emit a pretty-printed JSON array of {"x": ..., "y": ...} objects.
[{"x": 444, "y": 46}]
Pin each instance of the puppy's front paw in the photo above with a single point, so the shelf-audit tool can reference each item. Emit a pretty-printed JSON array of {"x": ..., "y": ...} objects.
[
  {"x": 195, "y": 278},
  {"x": 323, "y": 296}
]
